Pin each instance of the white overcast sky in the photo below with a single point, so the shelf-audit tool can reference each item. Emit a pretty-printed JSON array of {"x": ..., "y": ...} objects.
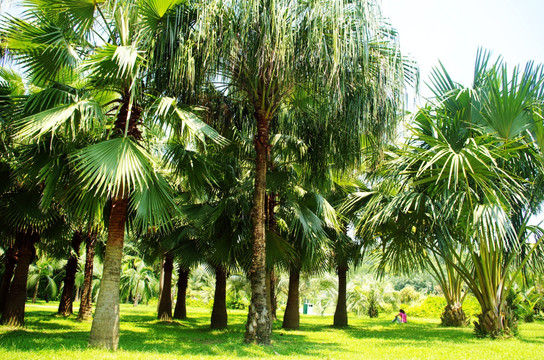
[{"x": 452, "y": 30}]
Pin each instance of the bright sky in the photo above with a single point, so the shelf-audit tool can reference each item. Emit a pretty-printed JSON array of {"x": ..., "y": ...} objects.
[{"x": 452, "y": 30}]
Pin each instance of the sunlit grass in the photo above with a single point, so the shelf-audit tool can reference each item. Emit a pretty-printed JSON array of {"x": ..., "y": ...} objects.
[{"x": 46, "y": 336}]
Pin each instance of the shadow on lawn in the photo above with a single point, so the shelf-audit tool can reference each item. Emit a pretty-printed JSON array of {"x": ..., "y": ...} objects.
[{"x": 199, "y": 339}]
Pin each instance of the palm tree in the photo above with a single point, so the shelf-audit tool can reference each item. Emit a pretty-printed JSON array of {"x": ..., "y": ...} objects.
[
  {"x": 138, "y": 280},
  {"x": 115, "y": 42},
  {"x": 463, "y": 187},
  {"x": 44, "y": 270},
  {"x": 20, "y": 208},
  {"x": 269, "y": 50}
]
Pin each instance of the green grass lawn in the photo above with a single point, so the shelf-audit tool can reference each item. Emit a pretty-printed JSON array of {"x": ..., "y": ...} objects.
[{"x": 142, "y": 337}]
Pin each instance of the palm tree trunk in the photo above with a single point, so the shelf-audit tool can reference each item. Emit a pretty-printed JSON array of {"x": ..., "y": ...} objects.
[
  {"x": 219, "y": 311},
  {"x": 35, "y": 295},
  {"x": 180, "y": 312},
  {"x": 14, "y": 311},
  {"x": 85, "y": 306},
  {"x": 454, "y": 315},
  {"x": 272, "y": 227},
  {"x": 291, "y": 318},
  {"x": 105, "y": 328},
  {"x": 76, "y": 293},
  {"x": 496, "y": 323},
  {"x": 269, "y": 294},
  {"x": 161, "y": 281},
  {"x": 341, "y": 313},
  {"x": 165, "y": 304},
  {"x": 65, "y": 305},
  {"x": 272, "y": 292},
  {"x": 259, "y": 326},
  {"x": 9, "y": 266}
]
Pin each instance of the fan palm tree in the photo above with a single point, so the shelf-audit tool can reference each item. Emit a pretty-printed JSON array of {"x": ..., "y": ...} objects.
[
  {"x": 268, "y": 50},
  {"x": 44, "y": 270},
  {"x": 138, "y": 280},
  {"x": 113, "y": 46}
]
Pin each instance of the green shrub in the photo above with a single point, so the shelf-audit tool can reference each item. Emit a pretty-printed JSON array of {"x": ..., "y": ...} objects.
[
  {"x": 430, "y": 307},
  {"x": 409, "y": 295},
  {"x": 237, "y": 302},
  {"x": 433, "y": 306}
]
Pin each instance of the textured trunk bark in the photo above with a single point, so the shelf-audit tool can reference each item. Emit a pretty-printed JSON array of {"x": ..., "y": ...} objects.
[
  {"x": 219, "y": 312},
  {"x": 105, "y": 328},
  {"x": 272, "y": 294},
  {"x": 291, "y": 318},
  {"x": 65, "y": 305},
  {"x": 259, "y": 326},
  {"x": 272, "y": 227},
  {"x": 273, "y": 298},
  {"x": 269, "y": 294},
  {"x": 9, "y": 266},
  {"x": 454, "y": 316},
  {"x": 341, "y": 313},
  {"x": 180, "y": 312},
  {"x": 85, "y": 306},
  {"x": 497, "y": 323},
  {"x": 14, "y": 311},
  {"x": 165, "y": 304}
]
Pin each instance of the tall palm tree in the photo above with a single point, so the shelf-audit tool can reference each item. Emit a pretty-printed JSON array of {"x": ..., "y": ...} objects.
[
  {"x": 113, "y": 45},
  {"x": 268, "y": 50}
]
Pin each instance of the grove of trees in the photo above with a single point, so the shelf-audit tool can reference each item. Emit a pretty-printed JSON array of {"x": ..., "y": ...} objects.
[{"x": 255, "y": 141}]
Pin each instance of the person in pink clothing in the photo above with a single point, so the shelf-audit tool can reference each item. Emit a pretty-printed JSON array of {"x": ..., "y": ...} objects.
[{"x": 400, "y": 318}]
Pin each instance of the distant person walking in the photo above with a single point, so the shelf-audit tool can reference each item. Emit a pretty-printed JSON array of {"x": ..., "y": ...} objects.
[{"x": 400, "y": 318}]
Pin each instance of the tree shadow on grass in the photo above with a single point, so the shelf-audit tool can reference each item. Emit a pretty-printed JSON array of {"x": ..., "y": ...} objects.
[
  {"x": 32, "y": 340},
  {"x": 203, "y": 341}
]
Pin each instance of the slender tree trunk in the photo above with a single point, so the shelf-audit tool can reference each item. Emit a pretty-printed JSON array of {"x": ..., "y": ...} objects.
[
  {"x": 161, "y": 281},
  {"x": 274, "y": 298},
  {"x": 9, "y": 266},
  {"x": 341, "y": 313},
  {"x": 76, "y": 294},
  {"x": 259, "y": 326},
  {"x": 165, "y": 304},
  {"x": 105, "y": 328},
  {"x": 180, "y": 312},
  {"x": 272, "y": 227},
  {"x": 65, "y": 305},
  {"x": 270, "y": 294},
  {"x": 136, "y": 298},
  {"x": 14, "y": 311},
  {"x": 36, "y": 287},
  {"x": 291, "y": 318},
  {"x": 219, "y": 311},
  {"x": 85, "y": 306}
]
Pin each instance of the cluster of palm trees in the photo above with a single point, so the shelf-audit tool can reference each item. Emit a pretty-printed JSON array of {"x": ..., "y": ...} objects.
[
  {"x": 457, "y": 197},
  {"x": 233, "y": 132},
  {"x": 108, "y": 127}
]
